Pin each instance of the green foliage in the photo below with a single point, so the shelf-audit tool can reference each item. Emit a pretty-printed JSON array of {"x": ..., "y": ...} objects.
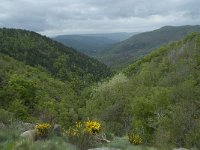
[
  {"x": 62, "y": 62},
  {"x": 32, "y": 94},
  {"x": 158, "y": 97},
  {"x": 83, "y": 134},
  {"x": 126, "y": 52},
  {"x": 123, "y": 144},
  {"x": 5, "y": 116},
  {"x": 54, "y": 143},
  {"x": 108, "y": 100},
  {"x": 19, "y": 110}
]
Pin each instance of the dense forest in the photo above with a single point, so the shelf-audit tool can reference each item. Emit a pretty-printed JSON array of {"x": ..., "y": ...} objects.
[
  {"x": 156, "y": 98},
  {"x": 41, "y": 79},
  {"x": 60, "y": 61}
]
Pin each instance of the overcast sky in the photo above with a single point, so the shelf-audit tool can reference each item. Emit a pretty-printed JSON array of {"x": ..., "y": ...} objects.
[{"x": 52, "y": 17}]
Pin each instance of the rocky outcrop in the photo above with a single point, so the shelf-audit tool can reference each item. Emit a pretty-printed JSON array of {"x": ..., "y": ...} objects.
[
  {"x": 57, "y": 129},
  {"x": 2, "y": 125},
  {"x": 180, "y": 149},
  {"x": 30, "y": 135},
  {"x": 22, "y": 126},
  {"x": 104, "y": 148}
]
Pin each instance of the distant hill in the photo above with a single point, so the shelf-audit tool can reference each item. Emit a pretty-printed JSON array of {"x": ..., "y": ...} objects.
[
  {"x": 118, "y": 36},
  {"x": 90, "y": 44},
  {"x": 60, "y": 61},
  {"x": 127, "y": 51}
]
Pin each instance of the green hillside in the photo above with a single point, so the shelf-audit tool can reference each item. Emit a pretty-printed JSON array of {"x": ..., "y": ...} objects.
[
  {"x": 32, "y": 95},
  {"x": 126, "y": 52},
  {"x": 42, "y": 80},
  {"x": 62, "y": 62},
  {"x": 157, "y": 97}
]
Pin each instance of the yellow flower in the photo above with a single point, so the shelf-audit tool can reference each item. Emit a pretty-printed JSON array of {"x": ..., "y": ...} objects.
[
  {"x": 92, "y": 126},
  {"x": 134, "y": 138},
  {"x": 43, "y": 128}
]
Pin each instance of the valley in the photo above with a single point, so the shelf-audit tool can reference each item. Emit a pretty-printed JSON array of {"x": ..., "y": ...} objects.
[{"x": 151, "y": 103}]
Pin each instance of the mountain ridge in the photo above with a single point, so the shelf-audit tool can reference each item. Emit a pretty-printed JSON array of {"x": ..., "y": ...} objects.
[
  {"x": 62, "y": 62},
  {"x": 91, "y": 44},
  {"x": 125, "y": 52}
]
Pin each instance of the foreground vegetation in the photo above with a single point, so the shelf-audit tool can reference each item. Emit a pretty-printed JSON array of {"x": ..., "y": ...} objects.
[
  {"x": 10, "y": 140},
  {"x": 154, "y": 102}
]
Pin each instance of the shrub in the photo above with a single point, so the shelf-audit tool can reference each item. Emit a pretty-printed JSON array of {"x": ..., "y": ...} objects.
[
  {"x": 134, "y": 138},
  {"x": 43, "y": 129},
  {"x": 5, "y": 116},
  {"x": 92, "y": 126},
  {"x": 83, "y": 134}
]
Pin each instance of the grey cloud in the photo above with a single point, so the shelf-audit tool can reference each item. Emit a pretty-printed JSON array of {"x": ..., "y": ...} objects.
[{"x": 88, "y": 16}]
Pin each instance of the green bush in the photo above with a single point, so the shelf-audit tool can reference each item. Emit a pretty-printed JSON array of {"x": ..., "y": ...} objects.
[
  {"x": 83, "y": 134},
  {"x": 5, "y": 116}
]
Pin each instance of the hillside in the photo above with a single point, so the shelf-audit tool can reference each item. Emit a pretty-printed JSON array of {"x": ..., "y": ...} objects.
[
  {"x": 42, "y": 80},
  {"x": 157, "y": 97},
  {"x": 91, "y": 44},
  {"x": 32, "y": 94},
  {"x": 117, "y": 36},
  {"x": 125, "y": 52},
  {"x": 60, "y": 61}
]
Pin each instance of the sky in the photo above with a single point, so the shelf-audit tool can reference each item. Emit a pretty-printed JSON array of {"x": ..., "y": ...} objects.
[{"x": 54, "y": 17}]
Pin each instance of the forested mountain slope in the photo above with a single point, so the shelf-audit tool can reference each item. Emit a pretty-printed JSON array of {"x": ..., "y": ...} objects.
[
  {"x": 125, "y": 52},
  {"x": 62, "y": 62},
  {"x": 157, "y": 97},
  {"x": 33, "y": 95}
]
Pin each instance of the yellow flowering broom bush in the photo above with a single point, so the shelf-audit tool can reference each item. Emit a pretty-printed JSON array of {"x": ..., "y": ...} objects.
[
  {"x": 82, "y": 133},
  {"x": 92, "y": 126},
  {"x": 134, "y": 138},
  {"x": 43, "y": 129}
]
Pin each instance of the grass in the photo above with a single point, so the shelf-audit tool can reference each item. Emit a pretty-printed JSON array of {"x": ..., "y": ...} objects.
[
  {"x": 10, "y": 140},
  {"x": 122, "y": 143}
]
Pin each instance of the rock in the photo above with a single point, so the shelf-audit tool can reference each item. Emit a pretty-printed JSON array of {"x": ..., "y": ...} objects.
[
  {"x": 22, "y": 126},
  {"x": 57, "y": 129},
  {"x": 104, "y": 148},
  {"x": 30, "y": 134},
  {"x": 2, "y": 125},
  {"x": 101, "y": 138},
  {"x": 180, "y": 149}
]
